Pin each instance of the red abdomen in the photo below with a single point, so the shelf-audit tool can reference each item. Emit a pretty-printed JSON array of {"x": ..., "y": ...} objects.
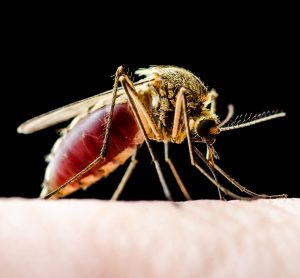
[{"x": 83, "y": 143}]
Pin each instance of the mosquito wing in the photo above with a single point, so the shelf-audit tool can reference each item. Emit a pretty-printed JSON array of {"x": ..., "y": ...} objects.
[
  {"x": 64, "y": 113},
  {"x": 71, "y": 110}
]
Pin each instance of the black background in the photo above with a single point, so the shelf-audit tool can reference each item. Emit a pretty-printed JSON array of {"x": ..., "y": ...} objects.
[{"x": 59, "y": 55}]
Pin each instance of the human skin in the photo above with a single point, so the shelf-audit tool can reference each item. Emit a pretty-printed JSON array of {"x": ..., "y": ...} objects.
[{"x": 205, "y": 238}]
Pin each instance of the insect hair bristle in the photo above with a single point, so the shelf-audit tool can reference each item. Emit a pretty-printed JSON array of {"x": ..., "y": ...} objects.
[{"x": 245, "y": 120}]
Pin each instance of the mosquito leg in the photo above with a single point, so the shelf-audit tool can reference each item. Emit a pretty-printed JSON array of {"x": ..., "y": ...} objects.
[
  {"x": 175, "y": 173},
  {"x": 175, "y": 133},
  {"x": 213, "y": 103},
  {"x": 103, "y": 152},
  {"x": 210, "y": 160},
  {"x": 125, "y": 178},
  {"x": 209, "y": 149},
  {"x": 209, "y": 156},
  {"x": 119, "y": 72},
  {"x": 238, "y": 185},
  {"x": 215, "y": 181},
  {"x": 130, "y": 91},
  {"x": 229, "y": 115},
  {"x": 244, "y": 189},
  {"x": 193, "y": 161},
  {"x": 74, "y": 178},
  {"x": 223, "y": 189},
  {"x": 122, "y": 77},
  {"x": 181, "y": 102},
  {"x": 213, "y": 107},
  {"x": 176, "y": 129}
]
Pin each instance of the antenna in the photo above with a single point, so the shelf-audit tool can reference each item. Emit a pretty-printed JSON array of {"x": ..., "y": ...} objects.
[
  {"x": 230, "y": 112},
  {"x": 245, "y": 120}
]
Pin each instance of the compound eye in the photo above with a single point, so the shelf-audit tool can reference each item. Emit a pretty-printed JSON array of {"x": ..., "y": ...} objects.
[{"x": 205, "y": 128}]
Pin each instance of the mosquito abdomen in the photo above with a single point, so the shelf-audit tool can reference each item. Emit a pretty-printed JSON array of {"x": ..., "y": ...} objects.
[{"x": 82, "y": 144}]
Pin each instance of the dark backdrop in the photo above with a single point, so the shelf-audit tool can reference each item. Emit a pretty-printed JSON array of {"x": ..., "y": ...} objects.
[{"x": 250, "y": 58}]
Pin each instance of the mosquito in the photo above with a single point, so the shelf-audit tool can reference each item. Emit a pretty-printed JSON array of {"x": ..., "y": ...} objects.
[{"x": 169, "y": 104}]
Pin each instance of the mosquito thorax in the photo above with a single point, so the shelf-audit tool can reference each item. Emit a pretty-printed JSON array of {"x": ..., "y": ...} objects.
[{"x": 159, "y": 94}]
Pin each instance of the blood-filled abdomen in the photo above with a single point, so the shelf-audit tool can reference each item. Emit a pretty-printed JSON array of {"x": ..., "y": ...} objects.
[{"x": 82, "y": 144}]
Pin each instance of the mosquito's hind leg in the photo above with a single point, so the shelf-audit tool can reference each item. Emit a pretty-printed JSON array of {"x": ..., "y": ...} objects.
[
  {"x": 103, "y": 151},
  {"x": 125, "y": 178},
  {"x": 104, "y": 148}
]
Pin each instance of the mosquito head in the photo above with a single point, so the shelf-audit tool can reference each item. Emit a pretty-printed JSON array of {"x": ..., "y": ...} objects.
[{"x": 207, "y": 129}]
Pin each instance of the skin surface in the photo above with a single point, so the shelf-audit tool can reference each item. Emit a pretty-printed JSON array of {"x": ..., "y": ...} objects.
[{"x": 205, "y": 238}]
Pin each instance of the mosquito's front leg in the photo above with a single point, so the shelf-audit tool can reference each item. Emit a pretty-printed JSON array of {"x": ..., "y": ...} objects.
[
  {"x": 214, "y": 181},
  {"x": 213, "y": 100},
  {"x": 244, "y": 189},
  {"x": 213, "y": 108},
  {"x": 182, "y": 100},
  {"x": 144, "y": 112}
]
